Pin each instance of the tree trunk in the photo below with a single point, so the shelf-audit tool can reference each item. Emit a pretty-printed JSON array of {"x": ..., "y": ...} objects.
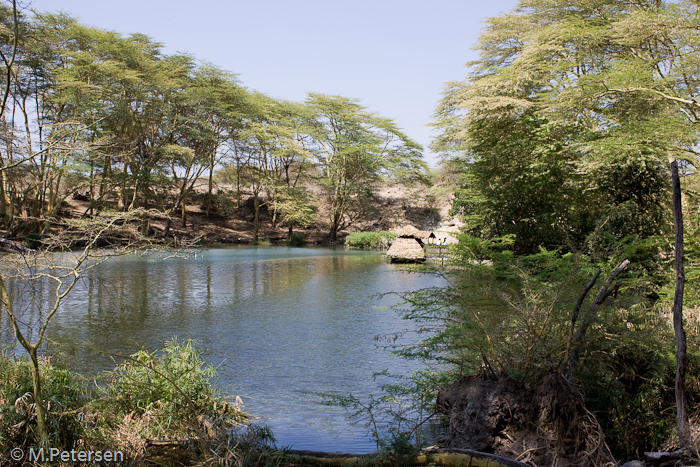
[
  {"x": 684, "y": 435},
  {"x": 106, "y": 176},
  {"x": 92, "y": 187},
  {"x": 591, "y": 315},
  {"x": 238, "y": 185},
  {"x": 4, "y": 199},
  {"x": 211, "y": 186},
  {"x": 38, "y": 398},
  {"x": 336, "y": 217},
  {"x": 256, "y": 205},
  {"x": 574, "y": 318},
  {"x": 444, "y": 457},
  {"x": 6, "y": 302}
]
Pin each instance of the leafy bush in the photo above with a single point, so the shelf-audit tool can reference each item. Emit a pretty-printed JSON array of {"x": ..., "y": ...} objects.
[
  {"x": 162, "y": 395},
  {"x": 514, "y": 320},
  {"x": 370, "y": 240},
  {"x": 223, "y": 202},
  {"x": 64, "y": 392},
  {"x": 172, "y": 390},
  {"x": 297, "y": 239},
  {"x": 629, "y": 379}
]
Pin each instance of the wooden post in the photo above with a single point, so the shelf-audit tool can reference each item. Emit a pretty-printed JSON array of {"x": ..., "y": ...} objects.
[{"x": 684, "y": 436}]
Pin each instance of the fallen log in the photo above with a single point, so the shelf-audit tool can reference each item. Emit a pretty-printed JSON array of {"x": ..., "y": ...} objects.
[
  {"x": 658, "y": 457},
  {"x": 429, "y": 456},
  {"x": 169, "y": 442},
  {"x": 443, "y": 457},
  {"x": 11, "y": 246}
]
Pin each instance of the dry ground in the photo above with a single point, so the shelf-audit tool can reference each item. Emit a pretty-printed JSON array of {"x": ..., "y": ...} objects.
[{"x": 396, "y": 206}]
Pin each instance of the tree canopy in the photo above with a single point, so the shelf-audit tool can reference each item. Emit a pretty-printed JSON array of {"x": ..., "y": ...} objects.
[
  {"x": 93, "y": 114},
  {"x": 354, "y": 149},
  {"x": 567, "y": 122}
]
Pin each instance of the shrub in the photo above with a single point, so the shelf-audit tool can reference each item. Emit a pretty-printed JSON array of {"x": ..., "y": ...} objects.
[
  {"x": 172, "y": 391},
  {"x": 64, "y": 392},
  {"x": 515, "y": 322},
  {"x": 370, "y": 240},
  {"x": 163, "y": 395},
  {"x": 297, "y": 239}
]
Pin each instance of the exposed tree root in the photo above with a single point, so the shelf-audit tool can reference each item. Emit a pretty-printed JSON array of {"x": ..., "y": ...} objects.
[{"x": 545, "y": 425}]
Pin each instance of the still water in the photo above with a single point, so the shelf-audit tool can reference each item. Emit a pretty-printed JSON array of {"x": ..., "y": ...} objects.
[{"x": 277, "y": 323}]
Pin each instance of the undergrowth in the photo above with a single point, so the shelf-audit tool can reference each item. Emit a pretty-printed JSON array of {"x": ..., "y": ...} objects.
[
  {"x": 513, "y": 317},
  {"x": 153, "y": 407}
]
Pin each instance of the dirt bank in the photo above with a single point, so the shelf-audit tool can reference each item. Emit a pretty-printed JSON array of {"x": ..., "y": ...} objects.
[{"x": 395, "y": 206}]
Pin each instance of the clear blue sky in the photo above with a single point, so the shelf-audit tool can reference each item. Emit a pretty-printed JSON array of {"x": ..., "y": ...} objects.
[{"x": 392, "y": 55}]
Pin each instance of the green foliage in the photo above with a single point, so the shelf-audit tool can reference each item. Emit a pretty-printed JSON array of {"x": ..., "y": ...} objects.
[
  {"x": 563, "y": 130},
  {"x": 691, "y": 219},
  {"x": 472, "y": 248},
  {"x": 294, "y": 205},
  {"x": 398, "y": 418},
  {"x": 64, "y": 392},
  {"x": 399, "y": 452},
  {"x": 370, "y": 240},
  {"x": 629, "y": 377},
  {"x": 513, "y": 319},
  {"x": 354, "y": 148},
  {"x": 125, "y": 125},
  {"x": 171, "y": 389},
  {"x": 297, "y": 239},
  {"x": 163, "y": 395},
  {"x": 221, "y": 203}
]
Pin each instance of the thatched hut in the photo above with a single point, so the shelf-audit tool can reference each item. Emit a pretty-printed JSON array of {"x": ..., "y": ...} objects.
[
  {"x": 407, "y": 231},
  {"x": 408, "y": 247},
  {"x": 405, "y": 250},
  {"x": 425, "y": 237}
]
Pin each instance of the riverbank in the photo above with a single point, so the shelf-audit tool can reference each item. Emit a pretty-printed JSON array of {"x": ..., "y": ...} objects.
[{"x": 395, "y": 206}]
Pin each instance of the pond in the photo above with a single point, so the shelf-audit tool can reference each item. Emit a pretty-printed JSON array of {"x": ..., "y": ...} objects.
[{"x": 278, "y": 323}]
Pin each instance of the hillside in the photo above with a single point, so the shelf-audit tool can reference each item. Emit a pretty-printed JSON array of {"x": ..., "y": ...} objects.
[{"x": 395, "y": 206}]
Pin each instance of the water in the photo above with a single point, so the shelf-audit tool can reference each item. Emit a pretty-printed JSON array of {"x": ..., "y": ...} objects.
[{"x": 277, "y": 322}]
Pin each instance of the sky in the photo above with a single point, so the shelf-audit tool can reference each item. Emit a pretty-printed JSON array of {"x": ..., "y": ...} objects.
[{"x": 394, "y": 56}]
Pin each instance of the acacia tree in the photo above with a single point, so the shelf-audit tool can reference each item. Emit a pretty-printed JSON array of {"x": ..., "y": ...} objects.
[
  {"x": 542, "y": 161},
  {"x": 38, "y": 126},
  {"x": 290, "y": 166},
  {"x": 70, "y": 85},
  {"x": 9, "y": 32},
  {"x": 616, "y": 82},
  {"x": 354, "y": 148},
  {"x": 220, "y": 105},
  {"x": 253, "y": 148}
]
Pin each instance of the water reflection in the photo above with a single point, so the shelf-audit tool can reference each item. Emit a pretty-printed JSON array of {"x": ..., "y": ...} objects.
[{"x": 277, "y": 322}]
